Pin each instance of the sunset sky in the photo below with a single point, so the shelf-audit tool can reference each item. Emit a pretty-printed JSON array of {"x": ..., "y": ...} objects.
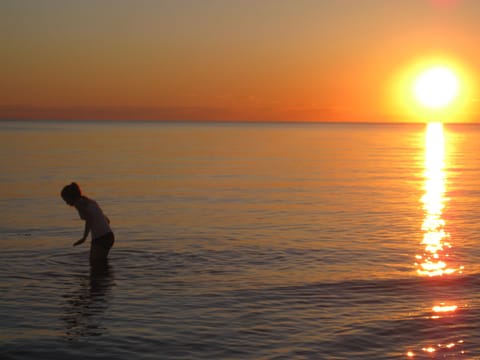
[{"x": 336, "y": 60}]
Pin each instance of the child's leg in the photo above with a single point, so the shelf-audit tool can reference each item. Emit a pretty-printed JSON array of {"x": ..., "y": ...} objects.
[
  {"x": 98, "y": 254},
  {"x": 100, "y": 248}
]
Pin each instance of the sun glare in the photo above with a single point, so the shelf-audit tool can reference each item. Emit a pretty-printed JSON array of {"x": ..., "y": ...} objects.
[{"x": 436, "y": 87}]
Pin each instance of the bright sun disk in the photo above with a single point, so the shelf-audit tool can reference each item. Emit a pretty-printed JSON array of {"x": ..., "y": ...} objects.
[{"x": 436, "y": 87}]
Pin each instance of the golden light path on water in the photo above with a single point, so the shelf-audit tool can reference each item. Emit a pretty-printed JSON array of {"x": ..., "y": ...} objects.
[{"x": 434, "y": 261}]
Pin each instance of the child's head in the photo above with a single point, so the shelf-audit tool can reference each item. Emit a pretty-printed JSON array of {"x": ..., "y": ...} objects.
[{"x": 71, "y": 193}]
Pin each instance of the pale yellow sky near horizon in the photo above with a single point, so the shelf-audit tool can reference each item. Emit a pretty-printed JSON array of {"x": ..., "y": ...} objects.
[{"x": 229, "y": 60}]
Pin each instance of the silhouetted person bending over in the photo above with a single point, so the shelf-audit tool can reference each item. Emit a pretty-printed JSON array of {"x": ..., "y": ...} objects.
[{"x": 95, "y": 221}]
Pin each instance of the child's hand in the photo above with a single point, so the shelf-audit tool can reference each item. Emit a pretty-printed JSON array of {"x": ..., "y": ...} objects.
[{"x": 79, "y": 242}]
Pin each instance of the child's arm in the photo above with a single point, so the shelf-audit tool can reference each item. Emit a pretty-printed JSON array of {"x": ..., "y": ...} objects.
[{"x": 86, "y": 231}]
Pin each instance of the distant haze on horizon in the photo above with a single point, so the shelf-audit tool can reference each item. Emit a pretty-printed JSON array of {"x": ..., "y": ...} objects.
[{"x": 250, "y": 60}]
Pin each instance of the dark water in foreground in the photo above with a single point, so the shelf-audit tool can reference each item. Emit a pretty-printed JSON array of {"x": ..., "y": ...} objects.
[{"x": 242, "y": 242}]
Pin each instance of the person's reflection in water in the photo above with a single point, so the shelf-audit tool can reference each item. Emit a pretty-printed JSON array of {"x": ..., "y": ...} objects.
[{"x": 85, "y": 307}]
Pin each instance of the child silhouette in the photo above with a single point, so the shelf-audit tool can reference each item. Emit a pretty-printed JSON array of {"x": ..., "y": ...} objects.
[{"x": 95, "y": 222}]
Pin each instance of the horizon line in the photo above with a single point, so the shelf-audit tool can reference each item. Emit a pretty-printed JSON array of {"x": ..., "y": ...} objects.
[
  {"x": 216, "y": 121},
  {"x": 24, "y": 112}
]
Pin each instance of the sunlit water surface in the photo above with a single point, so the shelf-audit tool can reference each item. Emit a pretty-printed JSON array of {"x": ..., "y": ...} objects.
[{"x": 239, "y": 241}]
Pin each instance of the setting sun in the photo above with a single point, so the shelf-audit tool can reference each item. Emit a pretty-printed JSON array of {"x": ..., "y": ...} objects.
[{"x": 436, "y": 87}]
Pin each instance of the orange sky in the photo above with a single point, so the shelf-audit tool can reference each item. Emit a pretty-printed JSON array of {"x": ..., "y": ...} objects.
[{"x": 303, "y": 60}]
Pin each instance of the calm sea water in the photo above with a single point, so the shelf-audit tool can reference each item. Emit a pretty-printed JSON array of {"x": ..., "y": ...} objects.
[{"x": 242, "y": 241}]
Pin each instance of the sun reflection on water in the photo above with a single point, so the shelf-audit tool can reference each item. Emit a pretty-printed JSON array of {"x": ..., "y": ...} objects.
[
  {"x": 434, "y": 260},
  {"x": 442, "y": 308}
]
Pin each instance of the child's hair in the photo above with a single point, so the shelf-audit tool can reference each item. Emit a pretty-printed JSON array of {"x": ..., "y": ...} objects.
[{"x": 70, "y": 193}]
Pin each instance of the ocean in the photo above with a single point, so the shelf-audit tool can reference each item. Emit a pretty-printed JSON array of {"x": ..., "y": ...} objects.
[{"x": 242, "y": 241}]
